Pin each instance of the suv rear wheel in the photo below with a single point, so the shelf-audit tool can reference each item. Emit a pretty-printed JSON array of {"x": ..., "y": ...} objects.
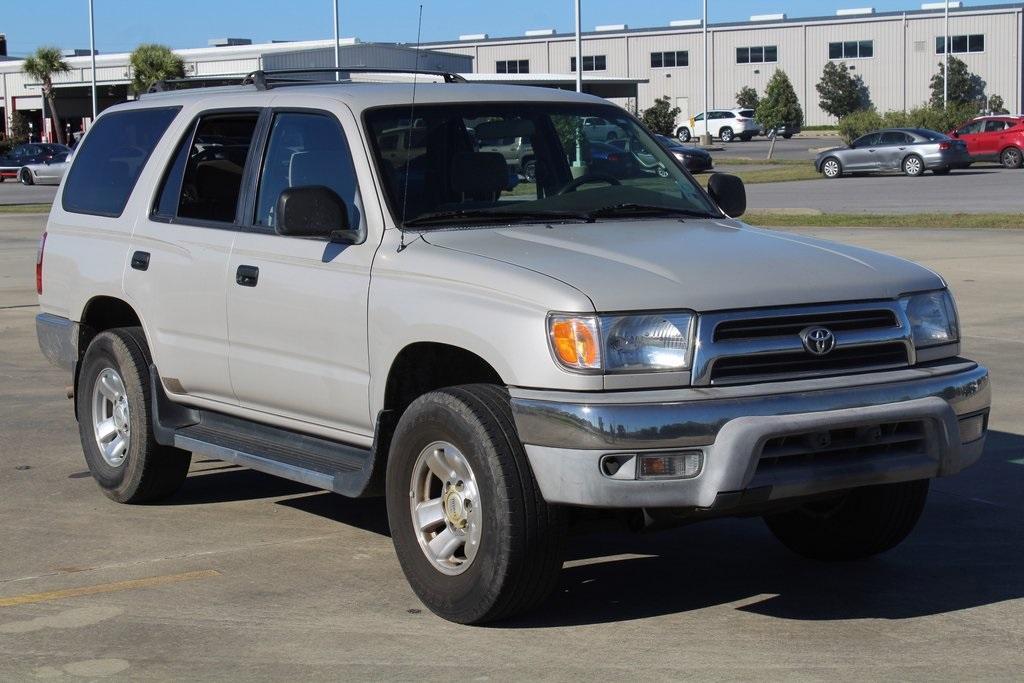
[
  {"x": 855, "y": 524},
  {"x": 115, "y": 421},
  {"x": 726, "y": 134},
  {"x": 1011, "y": 157},
  {"x": 475, "y": 539}
]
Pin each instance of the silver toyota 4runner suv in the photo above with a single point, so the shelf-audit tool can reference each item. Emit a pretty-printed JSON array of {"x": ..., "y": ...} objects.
[{"x": 268, "y": 275}]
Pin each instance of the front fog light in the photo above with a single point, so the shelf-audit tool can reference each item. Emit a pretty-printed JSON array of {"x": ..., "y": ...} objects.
[
  {"x": 972, "y": 428},
  {"x": 683, "y": 465}
]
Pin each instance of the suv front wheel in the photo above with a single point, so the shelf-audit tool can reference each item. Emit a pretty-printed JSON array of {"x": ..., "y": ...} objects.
[
  {"x": 476, "y": 540},
  {"x": 726, "y": 134},
  {"x": 115, "y": 421},
  {"x": 853, "y": 524}
]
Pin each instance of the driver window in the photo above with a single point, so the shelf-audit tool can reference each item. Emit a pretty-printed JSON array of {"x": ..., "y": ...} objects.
[
  {"x": 869, "y": 140},
  {"x": 306, "y": 149},
  {"x": 698, "y": 117}
]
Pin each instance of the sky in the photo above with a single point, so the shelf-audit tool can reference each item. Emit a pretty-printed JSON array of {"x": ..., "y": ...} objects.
[{"x": 123, "y": 24}]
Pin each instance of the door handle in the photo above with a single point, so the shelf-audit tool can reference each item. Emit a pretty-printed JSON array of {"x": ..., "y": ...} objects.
[
  {"x": 140, "y": 260},
  {"x": 247, "y": 276},
  {"x": 902, "y": 148}
]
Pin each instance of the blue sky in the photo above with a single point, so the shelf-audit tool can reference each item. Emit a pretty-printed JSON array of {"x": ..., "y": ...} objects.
[{"x": 122, "y": 24}]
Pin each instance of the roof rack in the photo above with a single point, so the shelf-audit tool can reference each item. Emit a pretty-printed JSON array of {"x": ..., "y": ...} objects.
[{"x": 264, "y": 80}]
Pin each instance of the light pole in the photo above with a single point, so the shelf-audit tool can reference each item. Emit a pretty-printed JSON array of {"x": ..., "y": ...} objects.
[
  {"x": 92, "y": 54},
  {"x": 337, "y": 44},
  {"x": 579, "y": 51},
  {"x": 945, "y": 59},
  {"x": 705, "y": 139}
]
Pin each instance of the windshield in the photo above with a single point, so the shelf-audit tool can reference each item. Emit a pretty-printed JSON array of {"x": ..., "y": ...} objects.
[{"x": 525, "y": 162}]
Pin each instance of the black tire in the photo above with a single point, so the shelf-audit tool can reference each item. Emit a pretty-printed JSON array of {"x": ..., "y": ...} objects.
[
  {"x": 683, "y": 134},
  {"x": 726, "y": 134},
  {"x": 746, "y": 138},
  {"x": 1011, "y": 157},
  {"x": 787, "y": 135},
  {"x": 25, "y": 176},
  {"x": 856, "y": 524},
  {"x": 521, "y": 547},
  {"x": 831, "y": 168},
  {"x": 149, "y": 471},
  {"x": 941, "y": 171},
  {"x": 913, "y": 166}
]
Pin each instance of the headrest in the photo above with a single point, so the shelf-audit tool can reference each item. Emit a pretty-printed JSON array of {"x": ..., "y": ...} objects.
[{"x": 480, "y": 175}]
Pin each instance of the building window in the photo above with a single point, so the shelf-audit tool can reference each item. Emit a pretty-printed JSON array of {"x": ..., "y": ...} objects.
[
  {"x": 512, "y": 66},
  {"x": 595, "y": 63},
  {"x": 974, "y": 42},
  {"x": 660, "y": 60},
  {"x": 757, "y": 55},
  {"x": 851, "y": 49}
]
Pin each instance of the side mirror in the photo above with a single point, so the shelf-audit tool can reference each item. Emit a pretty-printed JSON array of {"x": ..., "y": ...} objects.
[
  {"x": 729, "y": 193},
  {"x": 956, "y": 133},
  {"x": 314, "y": 211}
]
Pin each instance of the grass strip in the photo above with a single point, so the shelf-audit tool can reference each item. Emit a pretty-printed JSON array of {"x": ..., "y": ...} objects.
[
  {"x": 24, "y": 208},
  {"x": 784, "y": 173},
  {"x": 875, "y": 220}
]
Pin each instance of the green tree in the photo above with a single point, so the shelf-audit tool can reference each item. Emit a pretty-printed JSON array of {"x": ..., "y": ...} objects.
[
  {"x": 839, "y": 93},
  {"x": 661, "y": 116},
  {"x": 779, "y": 106},
  {"x": 747, "y": 98},
  {"x": 45, "y": 63},
  {"x": 996, "y": 105},
  {"x": 151, "y": 63},
  {"x": 964, "y": 86}
]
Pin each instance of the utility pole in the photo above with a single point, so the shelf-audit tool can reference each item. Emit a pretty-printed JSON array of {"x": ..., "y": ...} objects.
[
  {"x": 945, "y": 59},
  {"x": 92, "y": 55},
  {"x": 337, "y": 44},
  {"x": 705, "y": 139},
  {"x": 579, "y": 51}
]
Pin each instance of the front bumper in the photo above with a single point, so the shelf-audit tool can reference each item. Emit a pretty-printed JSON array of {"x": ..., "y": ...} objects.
[{"x": 566, "y": 436}]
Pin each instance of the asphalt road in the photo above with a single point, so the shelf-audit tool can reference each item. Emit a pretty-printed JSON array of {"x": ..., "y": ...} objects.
[
  {"x": 757, "y": 148},
  {"x": 13, "y": 192},
  {"x": 245, "y": 577}
]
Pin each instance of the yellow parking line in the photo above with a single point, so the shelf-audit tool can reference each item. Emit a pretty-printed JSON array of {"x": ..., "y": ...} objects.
[{"x": 131, "y": 584}]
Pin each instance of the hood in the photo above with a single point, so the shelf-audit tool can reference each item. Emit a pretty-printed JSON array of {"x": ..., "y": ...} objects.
[
  {"x": 703, "y": 265},
  {"x": 832, "y": 150}
]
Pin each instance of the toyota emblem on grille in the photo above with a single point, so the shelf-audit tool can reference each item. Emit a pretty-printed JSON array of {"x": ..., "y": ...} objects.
[{"x": 818, "y": 340}]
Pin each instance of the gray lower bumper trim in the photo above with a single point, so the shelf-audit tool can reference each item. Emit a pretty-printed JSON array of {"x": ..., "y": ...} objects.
[{"x": 58, "y": 340}]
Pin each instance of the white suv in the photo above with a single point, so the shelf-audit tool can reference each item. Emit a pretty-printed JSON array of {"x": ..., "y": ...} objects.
[{"x": 724, "y": 124}]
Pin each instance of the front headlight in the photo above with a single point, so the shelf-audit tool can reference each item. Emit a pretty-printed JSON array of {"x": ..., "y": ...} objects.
[
  {"x": 648, "y": 342},
  {"x": 932, "y": 317}
]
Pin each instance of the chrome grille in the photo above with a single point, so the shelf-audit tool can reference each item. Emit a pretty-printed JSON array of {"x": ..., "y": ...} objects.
[{"x": 763, "y": 345}]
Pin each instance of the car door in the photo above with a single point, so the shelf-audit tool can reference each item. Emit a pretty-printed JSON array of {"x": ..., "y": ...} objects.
[
  {"x": 992, "y": 138},
  {"x": 890, "y": 150},
  {"x": 861, "y": 154},
  {"x": 51, "y": 170},
  {"x": 297, "y": 307},
  {"x": 971, "y": 135},
  {"x": 180, "y": 252}
]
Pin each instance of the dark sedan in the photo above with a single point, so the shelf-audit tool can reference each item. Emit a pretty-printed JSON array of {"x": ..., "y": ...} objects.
[
  {"x": 31, "y": 153},
  {"x": 910, "y": 150},
  {"x": 694, "y": 158}
]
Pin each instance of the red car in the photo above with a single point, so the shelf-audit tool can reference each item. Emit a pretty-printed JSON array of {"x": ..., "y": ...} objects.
[{"x": 994, "y": 138}]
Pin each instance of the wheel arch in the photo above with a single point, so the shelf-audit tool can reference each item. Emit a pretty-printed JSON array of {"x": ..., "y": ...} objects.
[
  {"x": 99, "y": 314},
  {"x": 1009, "y": 147}
]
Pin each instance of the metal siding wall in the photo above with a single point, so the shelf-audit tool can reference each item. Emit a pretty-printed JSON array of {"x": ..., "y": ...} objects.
[
  {"x": 730, "y": 77},
  {"x": 674, "y": 82},
  {"x": 614, "y": 49},
  {"x": 537, "y": 53}
]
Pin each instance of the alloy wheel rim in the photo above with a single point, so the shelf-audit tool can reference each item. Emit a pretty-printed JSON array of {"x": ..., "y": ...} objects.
[
  {"x": 111, "y": 417},
  {"x": 1012, "y": 158},
  {"x": 446, "y": 510},
  {"x": 831, "y": 168},
  {"x": 913, "y": 166}
]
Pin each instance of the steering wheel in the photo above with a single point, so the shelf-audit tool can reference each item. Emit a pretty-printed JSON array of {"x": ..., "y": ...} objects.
[{"x": 589, "y": 178}]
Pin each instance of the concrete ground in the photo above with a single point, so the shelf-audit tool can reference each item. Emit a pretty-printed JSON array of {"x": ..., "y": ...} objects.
[
  {"x": 245, "y": 577},
  {"x": 13, "y": 192}
]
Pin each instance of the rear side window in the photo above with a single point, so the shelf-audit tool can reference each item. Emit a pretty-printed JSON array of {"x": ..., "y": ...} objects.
[
  {"x": 204, "y": 180},
  {"x": 111, "y": 158}
]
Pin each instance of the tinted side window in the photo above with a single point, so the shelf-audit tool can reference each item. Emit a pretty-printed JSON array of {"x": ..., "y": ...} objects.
[
  {"x": 111, "y": 158},
  {"x": 212, "y": 180},
  {"x": 304, "y": 150},
  {"x": 994, "y": 126},
  {"x": 866, "y": 140}
]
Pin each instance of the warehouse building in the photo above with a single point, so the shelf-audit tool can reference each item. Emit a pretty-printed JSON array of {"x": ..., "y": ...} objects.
[{"x": 896, "y": 54}]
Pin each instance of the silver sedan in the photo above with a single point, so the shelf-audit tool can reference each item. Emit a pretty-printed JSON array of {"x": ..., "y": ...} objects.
[
  {"x": 910, "y": 150},
  {"x": 47, "y": 172}
]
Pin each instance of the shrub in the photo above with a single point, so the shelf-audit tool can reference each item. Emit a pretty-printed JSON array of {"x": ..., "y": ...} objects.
[
  {"x": 747, "y": 98},
  {"x": 858, "y": 123},
  {"x": 661, "y": 117}
]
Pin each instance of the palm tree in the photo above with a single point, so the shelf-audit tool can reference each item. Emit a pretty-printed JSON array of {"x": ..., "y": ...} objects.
[
  {"x": 42, "y": 65},
  {"x": 151, "y": 63}
]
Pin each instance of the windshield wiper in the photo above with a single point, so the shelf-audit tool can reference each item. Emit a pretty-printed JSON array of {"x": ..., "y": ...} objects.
[
  {"x": 634, "y": 209},
  {"x": 493, "y": 216}
]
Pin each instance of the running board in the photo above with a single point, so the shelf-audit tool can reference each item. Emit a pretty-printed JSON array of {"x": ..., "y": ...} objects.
[{"x": 314, "y": 461}]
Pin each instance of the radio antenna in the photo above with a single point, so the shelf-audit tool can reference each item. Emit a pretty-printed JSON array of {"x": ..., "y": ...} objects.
[{"x": 412, "y": 123}]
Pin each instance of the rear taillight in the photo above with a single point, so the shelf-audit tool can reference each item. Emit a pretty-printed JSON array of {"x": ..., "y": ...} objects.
[
  {"x": 945, "y": 145},
  {"x": 39, "y": 264},
  {"x": 614, "y": 157}
]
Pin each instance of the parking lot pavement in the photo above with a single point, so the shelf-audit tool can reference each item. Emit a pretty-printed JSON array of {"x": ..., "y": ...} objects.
[
  {"x": 242, "y": 576},
  {"x": 979, "y": 189},
  {"x": 797, "y": 148},
  {"x": 13, "y": 192}
]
